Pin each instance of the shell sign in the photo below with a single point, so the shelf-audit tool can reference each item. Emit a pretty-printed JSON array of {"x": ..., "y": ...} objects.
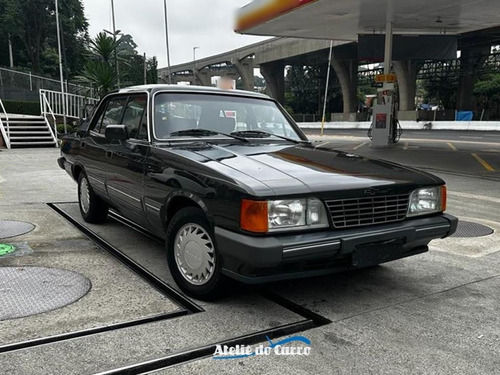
[{"x": 261, "y": 11}]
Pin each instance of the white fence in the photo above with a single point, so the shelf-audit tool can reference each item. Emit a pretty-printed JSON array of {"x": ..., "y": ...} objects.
[
  {"x": 31, "y": 82},
  {"x": 54, "y": 103},
  {"x": 4, "y": 130},
  {"x": 410, "y": 125}
]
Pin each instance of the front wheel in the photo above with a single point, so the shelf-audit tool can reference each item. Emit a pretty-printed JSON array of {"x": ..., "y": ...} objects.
[
  {"x": 93, "y": 209},
  {"x": 192, "y": 254}
]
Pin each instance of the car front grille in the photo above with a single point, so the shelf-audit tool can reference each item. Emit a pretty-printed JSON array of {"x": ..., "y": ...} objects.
[{"x": 355, "y": 212}]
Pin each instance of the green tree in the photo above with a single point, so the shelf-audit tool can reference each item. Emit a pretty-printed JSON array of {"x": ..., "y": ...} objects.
[
  {"x": 487, "y": 93},
  {"x": 442, "y": 88},
  {"x": 99, "y": 70},
  {"x": 305, "y": 89},
  {"x": 127, "y": 46},
  {"x": 32, "y": 27},
  {"x": 133, "y": 70},
  {"x": 10, "y": 26},
  {"x": 74, "y": 27},
  {"x": 259, "y": 82},
  {"x": 132, "y": 63}
]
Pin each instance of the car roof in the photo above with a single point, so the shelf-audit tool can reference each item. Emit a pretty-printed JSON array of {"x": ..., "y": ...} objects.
[{"x": 190, "y": 89}]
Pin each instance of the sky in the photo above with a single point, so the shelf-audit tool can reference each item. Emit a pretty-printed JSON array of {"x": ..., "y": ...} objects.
[{"x": 207, "y": 24}]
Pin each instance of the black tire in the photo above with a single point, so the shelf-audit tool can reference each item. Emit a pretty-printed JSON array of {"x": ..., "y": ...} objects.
[
  {"x": 187, "y": 219},
  {"x": 94, "y": 211}
]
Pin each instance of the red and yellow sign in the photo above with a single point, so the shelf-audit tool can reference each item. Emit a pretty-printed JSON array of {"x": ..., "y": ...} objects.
[
  {"x": 259, "y": 12},
  {"x": 389, "y": 78}
]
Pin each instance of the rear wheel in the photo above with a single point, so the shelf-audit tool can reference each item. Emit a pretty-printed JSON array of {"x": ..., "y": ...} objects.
[
  {"x": 93, "y": 209},
  {"x": 193, "y": 257}
]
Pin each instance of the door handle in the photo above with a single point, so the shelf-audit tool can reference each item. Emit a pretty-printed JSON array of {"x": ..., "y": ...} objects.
[{"x": 109, "y": 154}]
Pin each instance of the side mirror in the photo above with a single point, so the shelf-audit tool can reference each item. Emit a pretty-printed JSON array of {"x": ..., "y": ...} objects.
[{"x": 118, "y": 132}]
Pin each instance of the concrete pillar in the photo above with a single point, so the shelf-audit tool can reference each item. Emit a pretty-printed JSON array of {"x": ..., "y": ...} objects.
[
  {"x": 274, "y": 74},
  {"x": 245, "y": 71},
  {"x": 203, "y": 77},
  {"x": 406, "y": 72},
  {"x": 347, "y": 73},
  {"x": 471, "y": 59}
]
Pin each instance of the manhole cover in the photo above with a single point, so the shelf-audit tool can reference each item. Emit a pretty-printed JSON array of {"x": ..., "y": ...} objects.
[
  {"x": 470, "y": 229},
  {"x": 6, "y": 249},
  {"x": 10, "y": 228},
  {"x": 26, "y": 291}
]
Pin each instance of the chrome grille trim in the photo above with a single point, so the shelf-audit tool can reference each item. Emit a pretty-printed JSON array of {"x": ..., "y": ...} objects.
[{"x": 356, "y": 212}]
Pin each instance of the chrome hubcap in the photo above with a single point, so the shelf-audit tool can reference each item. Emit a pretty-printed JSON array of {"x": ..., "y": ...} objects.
[
  {"x": 84, "y": 195},
  {"x": 194, "y": 254}
]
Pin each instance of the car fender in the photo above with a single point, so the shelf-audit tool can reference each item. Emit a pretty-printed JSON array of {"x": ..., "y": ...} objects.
[{"x": 191, "y": 196}]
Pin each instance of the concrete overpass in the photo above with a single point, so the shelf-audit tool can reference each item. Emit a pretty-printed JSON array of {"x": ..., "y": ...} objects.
[{"x": 272, "y": 55}]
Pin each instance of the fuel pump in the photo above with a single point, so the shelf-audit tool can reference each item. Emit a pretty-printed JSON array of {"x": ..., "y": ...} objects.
[{"x": 385, "y": 130}]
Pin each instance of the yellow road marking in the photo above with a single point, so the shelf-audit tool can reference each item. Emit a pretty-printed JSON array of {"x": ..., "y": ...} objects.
[
  {"x": 418, "y": 140},
  {"x": 483, "y": 163},
  {"x": 452, "y": 146},
  {"x": 474, "y": 196},
  {"x": 359, "y": 146}
]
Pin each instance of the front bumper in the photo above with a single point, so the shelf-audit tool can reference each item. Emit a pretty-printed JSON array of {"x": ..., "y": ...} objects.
[{"x": 264, "y": 259}]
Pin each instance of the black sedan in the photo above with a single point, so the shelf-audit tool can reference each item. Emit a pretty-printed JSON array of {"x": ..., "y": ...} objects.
[{"x": 236, "y": 189}]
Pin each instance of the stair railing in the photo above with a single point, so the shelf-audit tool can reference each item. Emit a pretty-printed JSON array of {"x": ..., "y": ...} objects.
[
  {"x": 73, "y": 104},
  {"x": 5, "y": 134},
  {"x": 47, "y": 110}
]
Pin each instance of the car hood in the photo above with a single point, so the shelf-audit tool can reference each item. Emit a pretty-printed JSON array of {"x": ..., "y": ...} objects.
[{"x": 281, "y": 169}]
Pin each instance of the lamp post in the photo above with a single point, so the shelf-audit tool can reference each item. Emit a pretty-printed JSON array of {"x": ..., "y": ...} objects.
[
  {"x": 114, "y": 38},
  {"x": 194, "y": 64},
  {"x": 115, "y": 33},
  {"x": 326, "y": 86},
  {"x": 11, "y": 56},
  {"x": 166, "y": 42},
  {"x": 145, "y": 69},
  {"x": 61, "y": 75}
]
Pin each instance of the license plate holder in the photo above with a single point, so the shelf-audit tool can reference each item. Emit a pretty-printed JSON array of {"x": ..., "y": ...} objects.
[{"x": 371, "y": 254}]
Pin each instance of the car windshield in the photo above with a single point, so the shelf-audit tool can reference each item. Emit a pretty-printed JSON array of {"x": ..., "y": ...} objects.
[{"x": 223, "y": 114}]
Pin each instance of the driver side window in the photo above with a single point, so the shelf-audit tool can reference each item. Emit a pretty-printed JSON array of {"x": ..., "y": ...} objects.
[
  {"x": 135, "y": 118},
  {"x": 112, "y": 115}
]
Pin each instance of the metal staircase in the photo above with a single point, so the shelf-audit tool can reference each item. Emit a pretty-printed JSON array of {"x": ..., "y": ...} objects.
[
  {"x": 29, "y": 131},
  {"x": 41, "y": 131}
]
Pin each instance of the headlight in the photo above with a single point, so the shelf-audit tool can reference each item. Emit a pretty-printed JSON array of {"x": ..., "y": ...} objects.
[
  {"x": 268, "y": 216},
  {"x": 427, "y": 201}
]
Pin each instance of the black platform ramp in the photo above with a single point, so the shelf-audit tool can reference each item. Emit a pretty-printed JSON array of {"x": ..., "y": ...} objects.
[{"x": 244, "y": 316}]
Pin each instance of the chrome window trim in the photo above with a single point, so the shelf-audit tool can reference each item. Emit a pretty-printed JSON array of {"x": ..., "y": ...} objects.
[
  {"x": 230, "y": 94},
  {"x": 96, "y": 180},
  {"x": 123, "y": 193},
  {"x": 152, "y": 207}
]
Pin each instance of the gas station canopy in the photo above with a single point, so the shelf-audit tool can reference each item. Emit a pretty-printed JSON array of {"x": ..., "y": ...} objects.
[{"x": 345, "y": 19}]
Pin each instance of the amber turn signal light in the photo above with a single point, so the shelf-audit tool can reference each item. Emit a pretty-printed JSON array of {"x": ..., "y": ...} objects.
[
  {"x": 443, "y": 198},
  {"x": 253, "y": 217}
]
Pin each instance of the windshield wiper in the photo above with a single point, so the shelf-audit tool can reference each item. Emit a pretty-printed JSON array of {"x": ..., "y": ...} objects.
[
  {"x": 263, "y": 134},
  {"x": 195, "y": 132}
]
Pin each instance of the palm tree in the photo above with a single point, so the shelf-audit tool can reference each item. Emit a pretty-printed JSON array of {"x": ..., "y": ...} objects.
[{"x": 99, "y": 71}]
